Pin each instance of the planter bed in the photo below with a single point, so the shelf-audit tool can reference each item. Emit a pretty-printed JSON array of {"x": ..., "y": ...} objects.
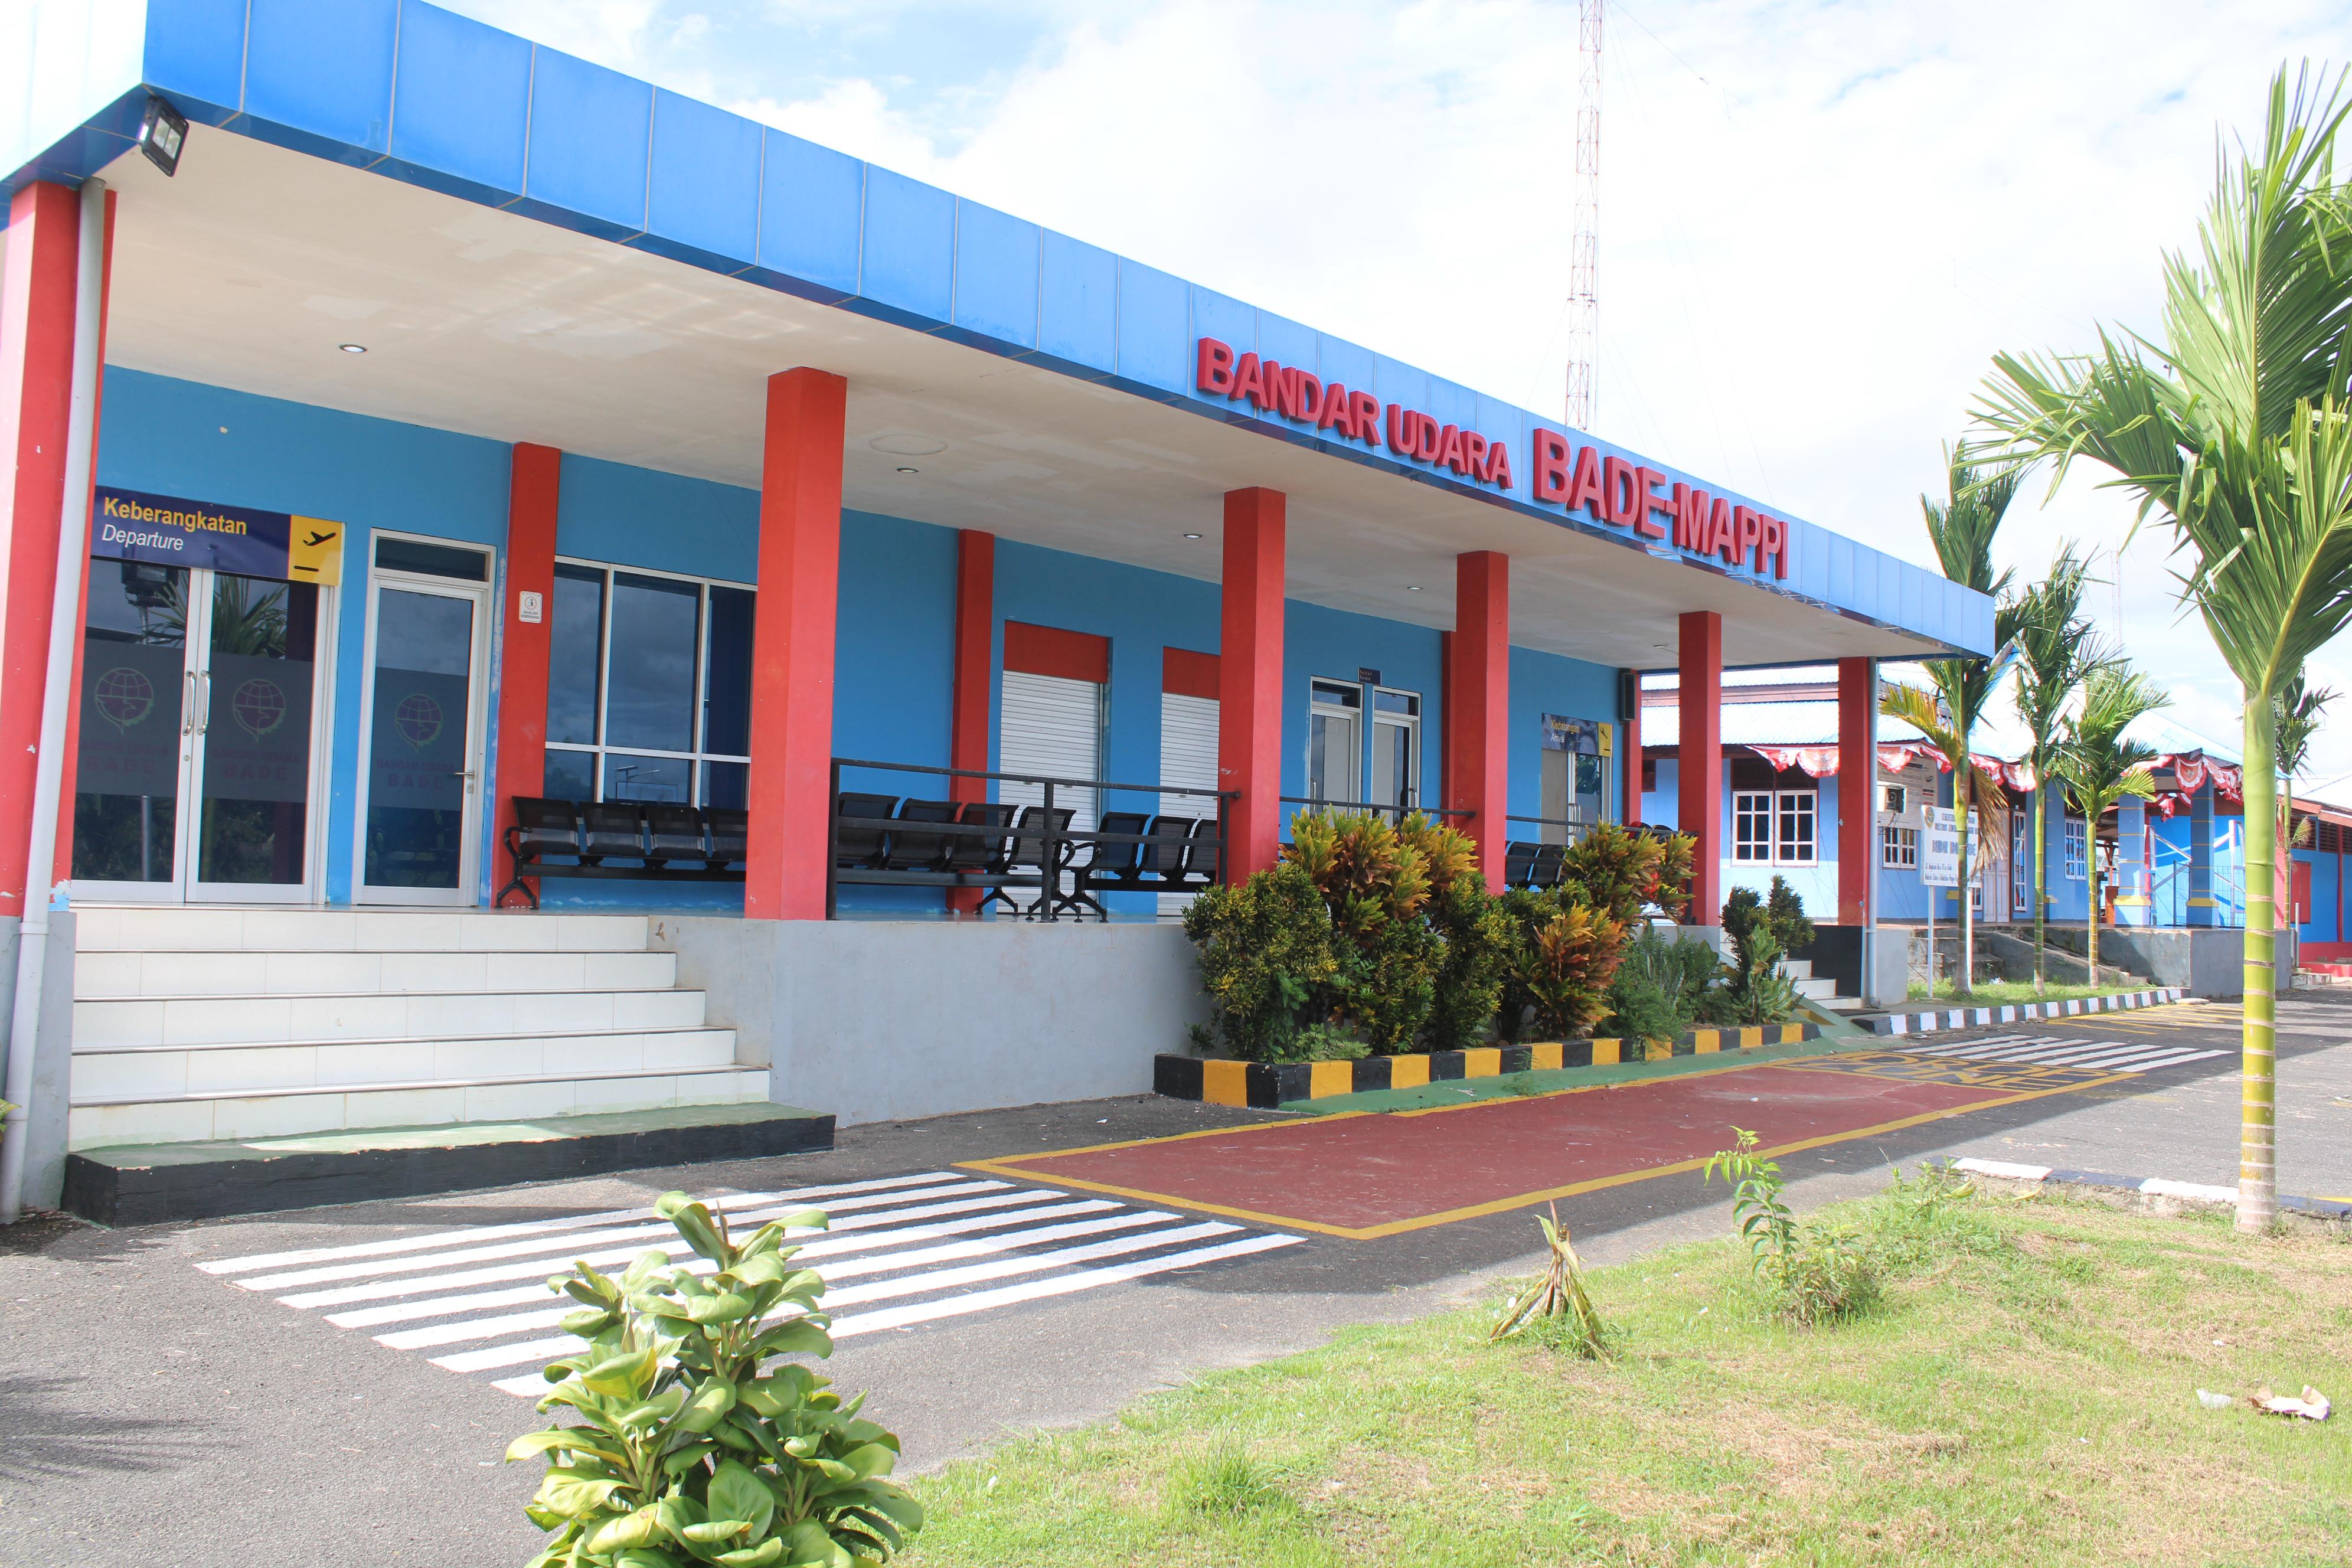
[{"x": 1222, "y": 1080}]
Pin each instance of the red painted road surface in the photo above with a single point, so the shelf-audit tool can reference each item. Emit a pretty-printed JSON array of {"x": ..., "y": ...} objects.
[{"x": 1365, "y": 1175}]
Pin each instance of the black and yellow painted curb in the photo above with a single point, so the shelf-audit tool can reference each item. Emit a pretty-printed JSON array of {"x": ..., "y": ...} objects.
[{"x": 1220, "y": 1080}]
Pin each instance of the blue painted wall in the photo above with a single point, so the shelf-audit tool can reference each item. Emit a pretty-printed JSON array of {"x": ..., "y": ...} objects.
[
  {"x": 2326, "y": 875},
  {"x": 206, "y": 443},
  {"x": 1545, "y": 683}
]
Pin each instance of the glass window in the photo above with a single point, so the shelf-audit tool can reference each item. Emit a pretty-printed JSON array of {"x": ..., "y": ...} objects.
[
  {"x": 433, "y": 560},
  {"x": 575, "y": 655},
  {"x": 650, "y": 679},
  {"x": 1751, "y": 825},
  {"x": 1899, "y": 846},
  {"x": 649, "y": 690},
  {"x": 2078, "y": 863},
  {"x": 1796, "y": 838},
  {"x": 1893, "y": 798},
  {"x": 134, "y": 690}
]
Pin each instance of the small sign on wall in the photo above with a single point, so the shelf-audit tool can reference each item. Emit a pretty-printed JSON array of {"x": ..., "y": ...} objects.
[{"x": 528, "y": 607}]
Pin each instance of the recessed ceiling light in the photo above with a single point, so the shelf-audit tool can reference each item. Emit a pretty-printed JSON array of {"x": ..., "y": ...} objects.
[
  {"x": 352, "y": 348},
  {"x": 1192, "y": 536},
  {"x": 906, "y": 444},
  {"x": 910, "y": 470},
  {"x": 1412, "y": 588}
]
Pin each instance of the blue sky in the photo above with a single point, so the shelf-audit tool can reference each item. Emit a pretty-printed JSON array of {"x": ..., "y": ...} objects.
[{"x": 1819, "y": 218}]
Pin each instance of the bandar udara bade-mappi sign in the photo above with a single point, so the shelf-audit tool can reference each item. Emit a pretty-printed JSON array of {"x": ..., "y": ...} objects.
[{"x": 1579, "y": 477}]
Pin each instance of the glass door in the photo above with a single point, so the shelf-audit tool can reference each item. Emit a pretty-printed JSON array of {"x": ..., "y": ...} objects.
[
  {"x": 192, "y": 775},
  {"x": 255, "y": 682},
  {"x": 1396, "y": 750},
  {"x": 421, "y": 800}
]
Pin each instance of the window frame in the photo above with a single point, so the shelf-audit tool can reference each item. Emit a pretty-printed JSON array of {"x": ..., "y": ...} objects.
[
  {"x": 2078, "y": 849},
  {"x": 1898, "y": 847},
  {"x": 696, "y": 760},
  {"x": 1776, "y": 847}
]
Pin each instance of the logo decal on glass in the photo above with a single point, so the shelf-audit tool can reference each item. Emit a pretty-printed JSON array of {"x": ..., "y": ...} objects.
[
  {"x": 259, "y": 706},
  {"x": 124, "y": 697},
  {"x": 418, "y": 719}
]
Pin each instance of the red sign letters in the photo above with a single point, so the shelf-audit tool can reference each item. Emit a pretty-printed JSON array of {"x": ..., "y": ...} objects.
[
  {"x": 1294, "y": 394},
  {"x": 1613, "y": 490},
  {"x": 1626, "y": 495}
]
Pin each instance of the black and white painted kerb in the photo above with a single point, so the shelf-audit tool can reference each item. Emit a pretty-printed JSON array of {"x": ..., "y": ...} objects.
[
  {"x": 898, "y": 1253},
  {"x": 2019, "y": 1011},
  {"x": 2151, "y": 1186}
]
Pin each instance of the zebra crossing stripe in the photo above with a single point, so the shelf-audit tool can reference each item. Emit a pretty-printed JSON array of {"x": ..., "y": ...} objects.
[
  {"x": 516, "y": 1294},
  {"x": 582, "y": 1239},
  {"x": 533, "y": 1268},
  {"x": 909, "y": 1249},
  {"x": 473, "y": 1234},
  {"x": 913, "y": 1315},
  {"x": 2059, "y": 1050}
]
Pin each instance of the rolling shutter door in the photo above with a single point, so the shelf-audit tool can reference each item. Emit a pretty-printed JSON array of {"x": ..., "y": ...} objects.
[
  {"x": 1050, "y": 725},
  {"x": 1188, "y": 758}
]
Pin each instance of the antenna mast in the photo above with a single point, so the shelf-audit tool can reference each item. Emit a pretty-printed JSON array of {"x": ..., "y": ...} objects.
[{"x": 1584, "y": 257}]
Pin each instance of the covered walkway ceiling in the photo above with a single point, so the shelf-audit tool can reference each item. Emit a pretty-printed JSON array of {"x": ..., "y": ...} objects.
[{"x": 253, "y": 265}]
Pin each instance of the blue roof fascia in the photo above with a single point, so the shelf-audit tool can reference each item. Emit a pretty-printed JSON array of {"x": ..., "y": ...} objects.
[{"x": 411, "y": 90}]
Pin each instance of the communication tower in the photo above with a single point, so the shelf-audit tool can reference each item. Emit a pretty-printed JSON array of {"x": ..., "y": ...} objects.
[{"x": 1585, "y": 256}]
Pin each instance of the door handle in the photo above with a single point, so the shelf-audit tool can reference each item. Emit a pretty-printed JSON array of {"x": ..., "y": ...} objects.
[
  {"x": 188, "y": 703},
  {"x": 205, "y": 703}
]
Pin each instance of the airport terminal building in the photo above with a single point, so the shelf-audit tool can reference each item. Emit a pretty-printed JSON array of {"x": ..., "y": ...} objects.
[{"x": 487, "y": 467}]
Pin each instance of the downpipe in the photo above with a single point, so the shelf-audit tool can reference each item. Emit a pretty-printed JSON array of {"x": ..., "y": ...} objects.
[{"x": 57, "y": 698}]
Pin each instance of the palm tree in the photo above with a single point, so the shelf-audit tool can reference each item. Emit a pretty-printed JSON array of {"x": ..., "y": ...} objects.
[
  {"x": 2234, "y": 432},
  {"x": 1930, "y": 713},
  {"x": 2056, "y": 652},
  {"x": 1961, "y": 528},
  {"x": 2100, "y": 764}
]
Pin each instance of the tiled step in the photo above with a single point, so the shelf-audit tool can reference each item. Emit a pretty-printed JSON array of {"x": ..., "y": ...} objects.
[
  {"x": 107, "y": 973},
  {"x": 108, "y": 1075},
  {"x": 190, "y": 1118},
  {"x": 138, "y": 929},
  {"x": 100, "y": 1023},
  {"x": 1814, "y": 990},
  {"x": 1797, "y": 968},
  {"x": 1840, "y": 1004}
]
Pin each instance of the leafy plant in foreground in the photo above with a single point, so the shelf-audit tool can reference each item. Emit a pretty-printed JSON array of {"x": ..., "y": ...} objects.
[
  {"x": 1558, "y": 1299},
  {"x": 1267, "y": 953},
  {"x": 692, "y": 1448},
  {"x": 1819, "y": 1273}
]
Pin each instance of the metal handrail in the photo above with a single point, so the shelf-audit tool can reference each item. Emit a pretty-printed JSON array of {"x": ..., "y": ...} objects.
[
  {"x": 1051, "y": 839},
  {"x": 1399, "y": 812}
]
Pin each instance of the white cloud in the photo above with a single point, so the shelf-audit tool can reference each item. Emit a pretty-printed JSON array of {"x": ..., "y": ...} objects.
[{"x": 1818, "y": 220}]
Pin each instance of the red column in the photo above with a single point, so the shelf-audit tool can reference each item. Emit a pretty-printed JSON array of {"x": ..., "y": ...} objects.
[
  {"x": 975, "y": 634},
  {"x": 1629, "y": 745},
  {"x": 1858, "y": 808},
  {"x": 63, "y": 867},
  {"x": 792, "y": 642},
  {"x": 37, "y": 317},
  {"x": 1478, "y": 717},
  {"x": 532, "y": 490},
  {"x": 1699, "y": 765},
  {"x": 1249, "y": 679}
]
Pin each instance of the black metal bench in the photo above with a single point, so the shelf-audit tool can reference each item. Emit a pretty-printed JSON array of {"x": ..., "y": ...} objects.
[
  {"x": 1526, "y": 865},
  {"x": 655, "y": 841}
]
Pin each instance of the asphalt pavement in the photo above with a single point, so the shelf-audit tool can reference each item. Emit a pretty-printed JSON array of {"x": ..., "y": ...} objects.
[{"x": 154, "y": 1410}]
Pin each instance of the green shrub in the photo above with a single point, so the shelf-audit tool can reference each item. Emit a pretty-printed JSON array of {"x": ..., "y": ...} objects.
[
  {"x": 1267, "y": 957},
  {"x": 1662, "y": 987},
  {"x": 1784, "y": 913},
  {"x": 1481, "y": 947},
  {"x": 1756, "y": 992},
  {"x": 693, "y": 1448}
]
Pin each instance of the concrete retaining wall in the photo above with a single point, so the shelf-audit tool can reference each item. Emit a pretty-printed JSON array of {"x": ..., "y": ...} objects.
[
  {"x": 2203, "y": 961},
  {"x": 879, "y": 1020}
]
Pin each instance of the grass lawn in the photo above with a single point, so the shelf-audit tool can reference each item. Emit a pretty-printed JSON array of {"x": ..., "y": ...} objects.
[
  {"x": 2001, "y": 993},
  {"x": 2023, "y": 1393}
]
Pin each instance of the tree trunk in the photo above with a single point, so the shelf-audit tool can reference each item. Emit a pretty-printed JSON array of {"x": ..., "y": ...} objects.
[
  {"x": 2258, "y": 1122},
  {"x": 1964, "y": 797},
  {"x": 2041, "y": 891},
  {"x": 2096, "y": 888}
]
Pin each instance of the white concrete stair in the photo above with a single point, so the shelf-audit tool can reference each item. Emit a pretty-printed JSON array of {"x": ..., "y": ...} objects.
[
  {"x": 201, "y": 1023},
  {"x": 1820, "y": 991}
]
